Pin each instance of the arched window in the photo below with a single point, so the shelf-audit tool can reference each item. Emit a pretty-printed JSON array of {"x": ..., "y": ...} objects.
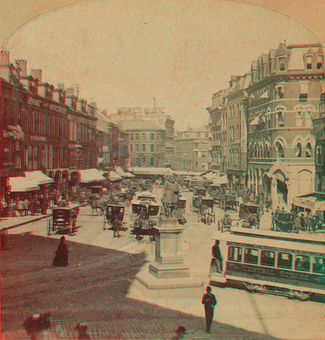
[
  {"x": 308, "y": 119},
  {"x": 308, "y": 150},
  {"x": 298, "y": 150},
  {"x": 318, "y": 155},
  {"x": 299, "y": 119},
  {"x": 280, "y": 150}
]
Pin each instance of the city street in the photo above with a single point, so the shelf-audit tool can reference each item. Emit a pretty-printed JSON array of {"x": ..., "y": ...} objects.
[{"x": 97, "y": 287}]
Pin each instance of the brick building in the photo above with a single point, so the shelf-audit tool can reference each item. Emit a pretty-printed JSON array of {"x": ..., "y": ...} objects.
[
  {"x": 284, "y": 96},
  {"x": 147, "y": 142},
  {"x": 192, "y": 149}
]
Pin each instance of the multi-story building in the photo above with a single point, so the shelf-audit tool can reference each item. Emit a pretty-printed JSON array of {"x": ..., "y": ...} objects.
[
  {"x": 284, "y": 95},
  {"x": 147, "y": 142},
  {"x": 218, "y": 131},
  {"x": 156, "y": 115},
  {"x": 236, "y": 100},
  {"x": 319, "y": 130},
  {"x": 43, "y": 127},
  {"x": 192, "y": 149}
]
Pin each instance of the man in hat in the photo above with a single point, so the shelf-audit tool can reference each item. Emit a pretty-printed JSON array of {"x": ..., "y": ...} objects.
[{"x": 209, "y": 301}]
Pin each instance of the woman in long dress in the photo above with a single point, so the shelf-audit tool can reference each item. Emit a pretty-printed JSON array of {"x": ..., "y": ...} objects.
[{"x": 61, "y": 258}]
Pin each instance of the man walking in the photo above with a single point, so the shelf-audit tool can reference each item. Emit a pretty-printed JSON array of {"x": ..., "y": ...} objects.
[{"x": 209, "y": 301}]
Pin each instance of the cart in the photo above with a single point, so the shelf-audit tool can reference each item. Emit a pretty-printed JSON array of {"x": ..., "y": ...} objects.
[
  {"x": 225, "y": 223},
  {"x": 206, "y": 212},
  {"x": 198, "y": 193},
  {"x": 113, "y": 211},
  {"x": 284, "y": 221},
  {"x": 249, "y": 215},
  {"x": 63, "y": 219},
  {"x": 229, "y": 202}
]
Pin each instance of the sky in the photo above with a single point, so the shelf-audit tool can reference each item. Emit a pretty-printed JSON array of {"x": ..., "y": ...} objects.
[{"x": 125, "y": 53}]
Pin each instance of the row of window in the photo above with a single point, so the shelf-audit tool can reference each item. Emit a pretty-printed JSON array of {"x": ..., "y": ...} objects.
[
  {"x": 144, "y": 136},
  {"x": 146, "y": 161},
  {"x": 282, "y": 260},
  {"x": 234, "y": 111},
  {"x": 146, "y": 148}
]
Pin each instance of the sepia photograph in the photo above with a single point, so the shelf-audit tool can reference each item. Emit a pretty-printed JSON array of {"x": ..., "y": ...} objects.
[{"x": 162, "y": 169}]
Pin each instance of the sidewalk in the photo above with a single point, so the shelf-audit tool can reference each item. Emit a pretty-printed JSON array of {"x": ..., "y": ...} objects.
[{"x": 12, "y": 222}]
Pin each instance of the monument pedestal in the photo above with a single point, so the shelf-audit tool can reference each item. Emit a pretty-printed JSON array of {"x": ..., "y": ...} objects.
[{"x": 168, "y": 270}]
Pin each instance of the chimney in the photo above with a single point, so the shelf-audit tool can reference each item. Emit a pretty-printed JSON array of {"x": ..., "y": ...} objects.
[
  {"x": 22, "y": 64},
  {"x": 36, "y": 73},
  {"x": 4, "y": 57},
  {"x": 60, "y": 86}
]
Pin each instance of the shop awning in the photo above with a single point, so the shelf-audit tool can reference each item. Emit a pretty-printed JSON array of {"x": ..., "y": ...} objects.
[
  {"x": 220, "y": 180},
  {"x": 120, "y": 171},
  {"x": 129, "y": 175},
  {"x": 314, "y": 201},
  {"x": 90, "y": 175},
  {"x": 113, "y": 176},
  {"x": 38, "y": 177},
  {"x": 151, "y": 171},
  {"x": 21, "y": 184}
]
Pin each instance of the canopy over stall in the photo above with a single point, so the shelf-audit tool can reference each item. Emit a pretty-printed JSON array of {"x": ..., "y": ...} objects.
[
  {"x": 38, "y": 177},
  {"x": 113, "y": 176},
  {"x": 314, "y": 201},
  {"x": 91, "y": 175},
  {"x": 21, "y": 184},
  {"x": 119, "y": 171},
  {"x": 129, "y": 175},
  {"x": 151, "y": 171}
]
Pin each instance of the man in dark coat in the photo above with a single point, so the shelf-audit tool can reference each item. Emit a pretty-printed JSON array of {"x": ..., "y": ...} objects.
[
  {"x": 209, "y": 301},
  {"x": 216, "y": 257},
  {"x": 62, "y": 254},
  {"x": 37, "y": 323}
]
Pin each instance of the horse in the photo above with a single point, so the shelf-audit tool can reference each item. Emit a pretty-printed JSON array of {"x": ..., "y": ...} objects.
[{"x": 97, "y": 202}]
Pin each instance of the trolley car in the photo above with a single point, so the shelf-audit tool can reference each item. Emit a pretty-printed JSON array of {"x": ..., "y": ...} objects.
[
  {"x": 266, "y": 262},
  {"x": 63, "y": 219}
]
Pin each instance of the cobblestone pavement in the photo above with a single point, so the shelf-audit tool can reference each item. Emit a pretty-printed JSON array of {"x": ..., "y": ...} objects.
[{"x": 98, "y": 287}]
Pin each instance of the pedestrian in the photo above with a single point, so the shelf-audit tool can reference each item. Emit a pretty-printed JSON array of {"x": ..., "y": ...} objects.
[
  {"x": 216, "y": 257},
  {"x": 20, "y": 207},
  {"x": 12, "y": 208},
  {"x": 273, "y": 221},
  {"x": 61, "y": 258},
  {"x": 180, "y": 333},
  {"x": 116, "y": 228},
  {"x": 37, "y": 323},
  {"x": 81, "y": 328},
  {"x": 209, "y": 301},
  {"x": 26, "y": 206},
  {"x": 302, "y": 222},
  {"x": 32, "y": 206}
]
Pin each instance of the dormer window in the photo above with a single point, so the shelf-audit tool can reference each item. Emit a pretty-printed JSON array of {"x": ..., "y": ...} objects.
[
  {"x": 309, "y": 62},
  {"x": 281, "y": 62}
]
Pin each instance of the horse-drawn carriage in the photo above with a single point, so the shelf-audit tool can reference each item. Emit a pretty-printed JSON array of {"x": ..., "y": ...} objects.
[
  {"x": 225, "y": 223},
  {"x": 198, "y": 193},
  {"x": 229, "y": 202},
  {"x": 112, "y": 212},
  {"x": 285, "y": 221},
  {"x": 63, "y": 219},
  {"x": 249, "y": 215},
  {"x": 145, "y": 210},
  {"x": 206, "y": 212}
]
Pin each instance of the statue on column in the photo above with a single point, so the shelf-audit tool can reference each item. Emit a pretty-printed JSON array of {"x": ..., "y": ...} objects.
[{"x": 170, "y": 196}]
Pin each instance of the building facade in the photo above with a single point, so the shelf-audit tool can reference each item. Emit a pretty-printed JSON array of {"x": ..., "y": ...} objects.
[
  {"x": 43, "y": 127},
  {"x": 192, "y": 149},
  {"x": 218, "y": 131},
  {"x": 147, "y": 142},
  {"x": 284, "y": 96}
]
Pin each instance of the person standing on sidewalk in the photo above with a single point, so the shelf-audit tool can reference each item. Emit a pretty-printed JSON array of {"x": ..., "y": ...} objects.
[
  {"x": 209, "y": 301},
  {"x": 61, "y": 258},
  {"x": 20, "y": 207}
]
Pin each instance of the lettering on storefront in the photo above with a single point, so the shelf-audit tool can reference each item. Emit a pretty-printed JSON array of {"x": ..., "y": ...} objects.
[
  {"x": 46, "y": 105},
  {"x": 140, "y": 110},
  {"x": 38, "y": 138}
]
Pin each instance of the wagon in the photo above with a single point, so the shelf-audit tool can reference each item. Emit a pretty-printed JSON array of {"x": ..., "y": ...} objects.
[
  {"x": 113, "y": 211},
  {"x": 249, "y": 215},
  {"x": 229, "y": 202},
  {"x": 63, "y": 219},
  {"x": 225, "y": 223},
  {"x": 284, "y": 221},
  {"x": 206, "y": 212},
  {"x": 198, "y": 193}
]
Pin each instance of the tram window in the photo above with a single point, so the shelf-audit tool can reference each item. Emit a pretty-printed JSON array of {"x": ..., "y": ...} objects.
[
  {"x": 268, "y": 258},
  {"x": 285, "y": 260},
  {"x": 235, "y": 254},
  {"x": 251, "y": 256},
  {"x": 302, "y": 263},
  {"x": 319, "y": 265}
]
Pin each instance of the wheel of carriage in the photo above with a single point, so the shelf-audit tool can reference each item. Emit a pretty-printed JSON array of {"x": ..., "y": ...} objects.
[{"x": 49, "y": 227}]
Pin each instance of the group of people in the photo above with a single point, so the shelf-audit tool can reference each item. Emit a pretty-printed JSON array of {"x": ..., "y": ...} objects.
[{"x": 23, "y": 206}]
